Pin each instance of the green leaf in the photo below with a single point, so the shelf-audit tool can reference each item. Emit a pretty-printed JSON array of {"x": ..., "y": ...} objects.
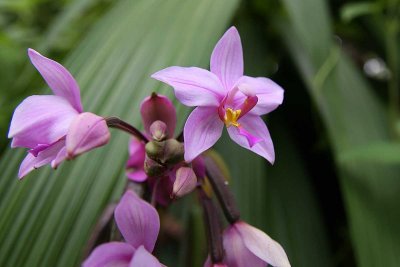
[
  {"x": 383, "y": 153},
  {"x": 47, "y": 218},
  {"x": 351, "y": 11},
  {"x": 354, "y": 117}
]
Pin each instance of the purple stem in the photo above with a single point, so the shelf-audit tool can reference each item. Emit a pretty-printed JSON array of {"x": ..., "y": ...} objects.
[
  {"x": 117, "y": 123},
  {"x": 213, "y": 227},
  {"x": 222, "y": 191}
]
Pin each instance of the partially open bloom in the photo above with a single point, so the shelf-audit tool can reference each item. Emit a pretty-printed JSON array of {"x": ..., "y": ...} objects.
[
  {"x": 139, "y": 224},
  {"x": 246, "y": 246},
  {"x": 54, "y": 127},
  {"x": 223, "y": 96}
]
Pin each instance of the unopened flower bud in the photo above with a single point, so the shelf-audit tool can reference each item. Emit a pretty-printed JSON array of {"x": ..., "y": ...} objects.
[
  {"x": 185, "y": 182},
  {"x": 158, "y": 108},
  {"x": 173, "y": 152},
  {"x": 153, "y": 168},
  {"x": 167, "y": 152},
  {"x": 158, "y": 130},
  {"x": 155, "y": 150}
]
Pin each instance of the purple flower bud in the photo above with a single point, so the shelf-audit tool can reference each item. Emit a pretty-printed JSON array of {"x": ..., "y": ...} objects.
[
  {"x": 158, "y": 130},
  {"x": 135, "y": 164},
  {"x": 185, "y": 182},
  {"x": 158, "y": 108}
]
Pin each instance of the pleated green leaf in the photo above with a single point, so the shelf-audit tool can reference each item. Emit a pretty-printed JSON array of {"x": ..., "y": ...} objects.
[
  {"x": 46, "y": 218},
  {"x": 354, "y": 118}
]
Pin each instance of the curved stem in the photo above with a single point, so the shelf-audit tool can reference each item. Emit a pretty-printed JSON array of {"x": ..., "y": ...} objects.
[
  {"x": 213, "y": 227},
  {"x": 222, "y": 191},
  {"x": 117, "y": 123}
]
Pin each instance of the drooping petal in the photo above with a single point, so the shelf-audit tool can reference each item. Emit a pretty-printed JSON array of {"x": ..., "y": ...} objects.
[
  {"x": 254, "y": 125},
  {"x": 87, "y": 131},
  {"x": 236, "y": 253},
  {"x": 40, "y": 120},
  {"x": 137, "y": 220},
  {"x": 137, "y": 176},
  {"x": 158, "y": 108},
  {"x": 113, "y": 254},
  {"x": 58, "y": 78},
  {"x": 227, "y": 58},
  {"x": 270, "y": 94},
  {"x": 202, "y": 130},
  {"x": 185, "y": 181},
  {"x": 44, "y": 157},
  {"x": 193, "y": 86},
  {"x": 143, "y": 258},
  {"x": 261, "y": 245}
]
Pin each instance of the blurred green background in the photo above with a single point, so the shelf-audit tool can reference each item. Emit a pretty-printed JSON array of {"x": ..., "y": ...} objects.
[{"x": 331, "y": 199}]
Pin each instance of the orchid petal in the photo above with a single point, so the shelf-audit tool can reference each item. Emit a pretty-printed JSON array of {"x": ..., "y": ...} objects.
[
  {"x": 236, "y": 253},
  {"x": 158, "y": 108},
  {"x": 40, "y": 120},
  {"x": 270, "y": 94},
  {"x": 185, "y": 181},
  {"x": 87, "y": 131},
  {"x": 254, "y": 125},
  {"x": 251, "y": 139},
  {"x": 136, "y": 154},
  {"x": 61, "y": 156},
  {"x": 227, "y": 58},
  {"x": 39, "y": 148},
  {"x": 113, "y": 254},
  {"x": 202, "y": 130},
  {"x": 44, "y": 157},
  {"x": 261, "y": 245},
  {"x": 58, "y": 78},
  {"x": 137, "y": 220},
  {"x": 137, "y": 176},
  {"x": 193, "y": 86},
  {"x": 143, "y": 258}
]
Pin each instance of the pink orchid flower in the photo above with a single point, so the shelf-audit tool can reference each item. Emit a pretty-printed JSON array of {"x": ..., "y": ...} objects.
[
  {"x": 54, "y": 127},
  {"x": 139, "y": 224},
  {"x": 223, "y": 96},
  {"x": 246, "y": 246}
]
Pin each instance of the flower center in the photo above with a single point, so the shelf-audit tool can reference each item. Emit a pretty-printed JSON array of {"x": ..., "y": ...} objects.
[{"x": 231, "y": 117}]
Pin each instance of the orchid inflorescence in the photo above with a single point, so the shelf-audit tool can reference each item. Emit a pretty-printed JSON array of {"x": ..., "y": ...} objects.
[{"x": 55, "y": 128}]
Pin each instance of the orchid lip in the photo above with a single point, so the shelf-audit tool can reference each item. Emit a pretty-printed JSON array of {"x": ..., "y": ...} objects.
[{"x": 230, "y": 116}]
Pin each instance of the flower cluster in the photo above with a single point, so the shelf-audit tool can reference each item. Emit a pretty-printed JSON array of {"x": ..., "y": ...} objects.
[{"x": 54, "y": 128}]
